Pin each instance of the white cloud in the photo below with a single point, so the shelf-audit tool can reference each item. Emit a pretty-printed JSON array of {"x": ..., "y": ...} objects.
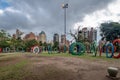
[
  {"x": 115, "y": 7},
  {"x": 1, "y": 12},
  {"x": 10, "y": 9},
  {"x": 30, "y": 18},
  {"x": 111, "y": 13}
]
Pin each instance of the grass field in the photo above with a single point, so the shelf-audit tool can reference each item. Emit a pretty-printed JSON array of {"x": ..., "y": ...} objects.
[
  {"x": 84, "y": 56},
  {"x": 11, "y": 67},
  {"x": 44, "y": 66}
]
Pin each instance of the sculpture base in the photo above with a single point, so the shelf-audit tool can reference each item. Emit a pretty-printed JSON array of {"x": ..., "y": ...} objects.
[
  {"x": 112, "y": 71},
  {"x": 113, "y": 78}
]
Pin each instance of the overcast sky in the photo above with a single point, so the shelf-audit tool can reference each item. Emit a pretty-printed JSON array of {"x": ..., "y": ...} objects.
[{"x": 48, "y": 15}]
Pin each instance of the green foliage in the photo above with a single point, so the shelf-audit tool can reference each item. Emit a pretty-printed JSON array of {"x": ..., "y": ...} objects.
[
  {"x": 4, "y": 35},
  {"x": 45, "y": 46},
  {"x": 4, "y": 39},
  {"x": 56, "y": 45},
  {"x": 30, "y": 43},
  {"x": 4, "y": 44},
  {"x": 40, "y": 43},
  {"x": 110, "y": 30},
  {"x": 15, "y": 43}
]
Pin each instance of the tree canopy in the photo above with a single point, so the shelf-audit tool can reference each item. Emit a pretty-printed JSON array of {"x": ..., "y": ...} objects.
[{"x": 110, "y": 30}]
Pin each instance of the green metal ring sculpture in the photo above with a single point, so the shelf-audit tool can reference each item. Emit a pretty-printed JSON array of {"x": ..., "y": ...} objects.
[
  {"x": 80, "y": 48},
  {"x": 20, "y": 49},
  {"x": 65, "y": 48},
  {"x": 55, "y": 50},
  {"x": 93, "y": 48},
  {"x": 49, "y": 49}
]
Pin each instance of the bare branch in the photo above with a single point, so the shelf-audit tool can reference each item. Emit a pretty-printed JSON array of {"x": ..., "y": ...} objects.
[{"x": 73, "y": 35}]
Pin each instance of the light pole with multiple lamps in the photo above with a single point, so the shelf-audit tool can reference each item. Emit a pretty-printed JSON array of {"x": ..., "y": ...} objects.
[{"x": 65, "y": 6}]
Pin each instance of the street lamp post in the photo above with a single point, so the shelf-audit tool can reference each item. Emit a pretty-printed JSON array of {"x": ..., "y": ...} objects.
[{"x": 65, "y": 6}]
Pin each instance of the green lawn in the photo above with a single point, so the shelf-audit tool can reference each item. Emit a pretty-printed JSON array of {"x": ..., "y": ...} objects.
[
  {"x": 12, "y": 71},
  {"x": 84, "y": 56}
]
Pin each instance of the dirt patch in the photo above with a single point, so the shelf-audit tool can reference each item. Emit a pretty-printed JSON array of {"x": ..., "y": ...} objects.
[
  {"x": 63, "y": 68},
  {"x": 51, "y": 72},
  {"x": 10, "y": 60}
]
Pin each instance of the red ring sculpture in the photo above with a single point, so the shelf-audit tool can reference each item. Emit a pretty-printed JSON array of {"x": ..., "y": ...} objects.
[{"x": 117, "y": 40}]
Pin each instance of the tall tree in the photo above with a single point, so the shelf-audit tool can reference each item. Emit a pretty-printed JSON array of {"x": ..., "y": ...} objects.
[
  {"x": 2, "y": 34},
  {"x": 31, "y": 43},
  {"x": 110, "y": 30},
  {"x": 40, "y": 43},
  {"x": 56, "y": 45},
  {"x": 77, "y": 35}
]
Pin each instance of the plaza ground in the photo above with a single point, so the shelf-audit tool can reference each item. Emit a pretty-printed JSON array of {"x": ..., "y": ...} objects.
[{"x": 63, "y": 66}]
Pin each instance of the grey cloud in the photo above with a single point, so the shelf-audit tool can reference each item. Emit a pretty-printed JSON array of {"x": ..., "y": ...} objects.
[
  {"x": 48, "y": 14},
  {"x": 10, "y": 20}
]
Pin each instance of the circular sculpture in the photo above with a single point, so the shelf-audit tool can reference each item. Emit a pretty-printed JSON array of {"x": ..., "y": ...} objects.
[
  {"x": 55, "y": 50},
  {"x": 20, "y": 49},
  {"x": 80, "y": 48},
  {"x": 65, "y": 48},
  {"x": 7, "y": 49},
  {"x": 115, "y": 41},
  {"x": 93, "y": 48},
  {"x": 109, "y": 47},
  {"x": 49, "y": 49},
  {"x": 36, "y": 49}
]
